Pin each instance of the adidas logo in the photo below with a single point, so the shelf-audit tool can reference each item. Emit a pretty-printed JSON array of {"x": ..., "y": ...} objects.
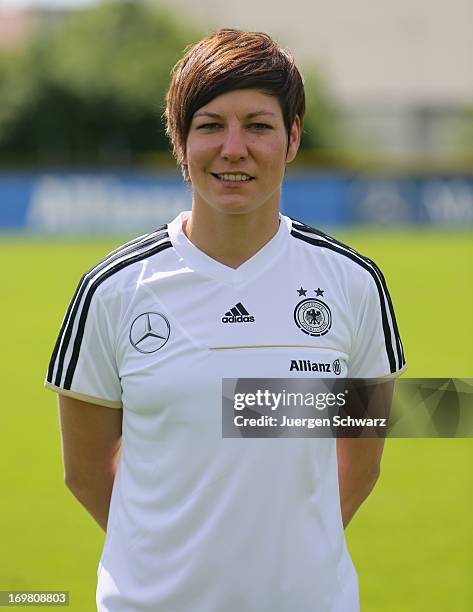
[{"x": 238, "y": 314}]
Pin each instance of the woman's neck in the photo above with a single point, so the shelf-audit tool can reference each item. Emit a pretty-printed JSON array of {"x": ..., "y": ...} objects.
[{"x": 230, "y": 239}]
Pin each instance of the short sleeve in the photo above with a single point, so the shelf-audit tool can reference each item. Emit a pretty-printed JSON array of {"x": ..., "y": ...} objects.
[
  {"x": 83, "y": 363},
  {"x": 377, "y": 348}
]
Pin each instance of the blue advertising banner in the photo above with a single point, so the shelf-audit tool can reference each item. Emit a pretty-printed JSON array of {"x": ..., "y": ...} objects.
[{"x": 59, "y": 202}]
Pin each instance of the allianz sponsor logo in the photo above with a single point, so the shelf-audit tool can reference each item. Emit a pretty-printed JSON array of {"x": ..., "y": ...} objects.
[{"x": 306, "y": 365}]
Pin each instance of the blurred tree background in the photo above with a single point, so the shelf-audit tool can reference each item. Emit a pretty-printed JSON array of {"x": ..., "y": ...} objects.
[{"x": 90, "y": 89}]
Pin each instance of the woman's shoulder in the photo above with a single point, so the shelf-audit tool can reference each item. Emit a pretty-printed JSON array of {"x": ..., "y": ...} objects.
[
  {"x": 339, "y": 253},
  {"x": 118, "y": 268}
]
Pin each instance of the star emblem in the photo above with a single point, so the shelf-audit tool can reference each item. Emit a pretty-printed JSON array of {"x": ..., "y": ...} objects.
[
  {"x": 302, "y": 291},
  {"x": 319, "y": 292}
]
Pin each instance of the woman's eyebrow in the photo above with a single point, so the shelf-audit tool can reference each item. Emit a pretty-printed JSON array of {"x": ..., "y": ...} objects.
[
  {"x": 261, "y": 112},
  {"x": 248, "y": 116},
  {"x": 207, "y": 114}
]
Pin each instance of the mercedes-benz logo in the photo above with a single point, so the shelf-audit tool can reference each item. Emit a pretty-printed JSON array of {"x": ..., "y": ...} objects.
[{"x": 149, "y": 332}]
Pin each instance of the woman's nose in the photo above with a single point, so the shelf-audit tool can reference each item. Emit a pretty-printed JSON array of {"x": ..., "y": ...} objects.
[{"x": 234, "y": 144}]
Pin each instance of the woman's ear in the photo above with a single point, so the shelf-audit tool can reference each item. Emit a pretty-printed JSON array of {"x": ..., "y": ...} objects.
[{"x": 294, "y": 140}]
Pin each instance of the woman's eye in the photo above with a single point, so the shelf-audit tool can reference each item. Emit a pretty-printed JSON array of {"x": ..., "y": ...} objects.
[
  {"x": 208, "y": 126},
  {"x": 260, "y": 126}
]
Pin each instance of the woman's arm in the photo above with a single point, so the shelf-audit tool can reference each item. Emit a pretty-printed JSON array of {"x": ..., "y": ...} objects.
[
  {"x": 359, "y": 461},
  {"x": 91, "y": 440}
]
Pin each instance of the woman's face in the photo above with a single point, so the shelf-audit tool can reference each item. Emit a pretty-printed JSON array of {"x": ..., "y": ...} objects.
[{"x": 236, "y": 152}]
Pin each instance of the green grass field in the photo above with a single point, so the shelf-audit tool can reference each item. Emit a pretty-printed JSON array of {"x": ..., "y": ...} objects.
[{"x": 412, "y": 541}]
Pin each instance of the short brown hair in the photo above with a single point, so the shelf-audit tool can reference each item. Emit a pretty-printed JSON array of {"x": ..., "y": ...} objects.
[{"x": 224, "y": 61}]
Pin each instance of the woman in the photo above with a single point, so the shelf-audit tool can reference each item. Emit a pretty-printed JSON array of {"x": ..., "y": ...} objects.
[{"x": 197, "y": 522}]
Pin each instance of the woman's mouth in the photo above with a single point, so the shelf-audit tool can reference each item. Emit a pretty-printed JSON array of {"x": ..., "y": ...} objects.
[{"x": 233, "y": 177}]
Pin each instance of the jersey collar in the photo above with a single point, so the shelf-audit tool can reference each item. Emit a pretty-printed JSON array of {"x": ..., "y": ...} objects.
[{"x": 199, "y": 261}]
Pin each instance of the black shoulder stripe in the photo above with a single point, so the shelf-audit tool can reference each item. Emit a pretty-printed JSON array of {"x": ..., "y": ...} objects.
[
  {"x": 397, "y": 336},
  {"x": 301, "y": 227},
  {"x": 65, "y": 332},
  {"x": 57, "y": 346},
  {"x": 85, "y": 309},
  {"x": 133, "y": 242},
  {"x": 88, "y": 277},
  {"x": 311, "y": 230},
  {"x": 382, "y": 291},
  {"x": 123, "y": 248}
]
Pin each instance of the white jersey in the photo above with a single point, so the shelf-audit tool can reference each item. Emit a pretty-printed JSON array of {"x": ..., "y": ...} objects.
[{"x": 198, "y": 522}]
